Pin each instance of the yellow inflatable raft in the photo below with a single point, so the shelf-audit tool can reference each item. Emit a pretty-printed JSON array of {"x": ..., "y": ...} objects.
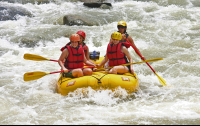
[{"x": 98, "y": 81}]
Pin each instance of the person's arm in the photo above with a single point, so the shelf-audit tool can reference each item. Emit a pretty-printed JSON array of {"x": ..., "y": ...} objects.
[
  {"x": 103, "y": 61},
  {"x": 64, "y": 54},
  {"x": 123, "y": 37},
  {"x": 87, "y": 56},
  {"x": 132, "y": 43},
  {"x": 125, "y": 51}
]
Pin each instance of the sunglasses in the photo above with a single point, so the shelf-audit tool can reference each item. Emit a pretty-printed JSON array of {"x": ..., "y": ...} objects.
[{"x": 120, "y": 26}]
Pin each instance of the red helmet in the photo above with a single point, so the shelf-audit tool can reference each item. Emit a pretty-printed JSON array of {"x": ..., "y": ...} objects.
[
  {"x": 82, "y": 33},
  {"x": 75, "y": 37}
]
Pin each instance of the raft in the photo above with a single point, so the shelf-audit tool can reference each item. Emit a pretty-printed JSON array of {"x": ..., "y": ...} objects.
[{"x": 100, "y": 80}]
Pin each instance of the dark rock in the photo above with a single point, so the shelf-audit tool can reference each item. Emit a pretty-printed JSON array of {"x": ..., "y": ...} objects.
[
  {"x": 90, "y": 1},
  {"x": 28, "y": 42},
  {"x": 104, "y": 6},
  {"x": 95, "y": 5},
  {"x": 9, "y": 1},
  {"x": 195, "y": 3},
  {"x": 77, "y": 20}
]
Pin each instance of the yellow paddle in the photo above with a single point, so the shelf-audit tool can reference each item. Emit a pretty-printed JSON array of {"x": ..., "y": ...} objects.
[
  {"x": 162, "y": 81},
  {"x": 28, "y": 56},
  {"x": 150, "y": 60},
  {"x": 38, "y": 74},
  {"x": 35, "y": 75}
]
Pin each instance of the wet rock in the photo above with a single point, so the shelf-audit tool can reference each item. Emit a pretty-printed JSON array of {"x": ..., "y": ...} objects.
[
  {"x": 105, "y": 6},
  {"x": 11, "y": 13},
  {"x": 195, "y": 3},
  {"x": 43, "y": 1},
  {"x": 77, "y": 20},
  {"x": 95, "y": 4},
  {"x": 9, "y": 1},
  {"x": 92, "y": 1},
  {"x": 28, "y": 42}
]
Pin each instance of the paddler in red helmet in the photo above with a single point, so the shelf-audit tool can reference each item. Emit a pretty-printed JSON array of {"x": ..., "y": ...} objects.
[
  {"x": 74, "y": 59},
  {"x": 81, "y": 42},
  {"x": 85, "y": 47}
]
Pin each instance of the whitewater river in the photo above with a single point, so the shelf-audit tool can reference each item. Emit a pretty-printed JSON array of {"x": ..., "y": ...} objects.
[{"x": 168, "y": 29}]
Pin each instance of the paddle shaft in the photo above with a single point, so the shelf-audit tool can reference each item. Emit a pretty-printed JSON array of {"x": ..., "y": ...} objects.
[
  {"x": 57, "y": 72},
  {"x": 38, "y": 74},
  {"x": 140, "y": 55},
  {"x": 70, "y": 70},
  {"x": 34, "y": 57},
  {"x": 162, "y": 81},
  {"x": 28, "y": 56},
  {"x": 150, "y": 60},
  {"x": 53, "y": 60}
]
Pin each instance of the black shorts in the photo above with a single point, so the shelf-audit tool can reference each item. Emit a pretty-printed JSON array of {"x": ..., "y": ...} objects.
[
  {"x": 129, "y": 68},
  {"x": 68, "y": 74}
]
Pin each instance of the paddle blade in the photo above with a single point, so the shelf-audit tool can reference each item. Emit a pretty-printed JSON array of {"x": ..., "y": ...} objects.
[
  {"x": 34, "y": 75},
  {"x": 34, "y": 57},
  {"x": 162, "y": 81}
]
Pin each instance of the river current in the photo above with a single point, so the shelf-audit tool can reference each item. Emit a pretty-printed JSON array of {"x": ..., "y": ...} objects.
[{"x": 168, "y": 29}]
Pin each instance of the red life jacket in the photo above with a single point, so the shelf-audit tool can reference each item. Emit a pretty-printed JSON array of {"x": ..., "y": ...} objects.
[
  {"x": 115, "y": 56},
  {"x": 85, "y": 48},
  {"x": 75, "y": 58}
]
